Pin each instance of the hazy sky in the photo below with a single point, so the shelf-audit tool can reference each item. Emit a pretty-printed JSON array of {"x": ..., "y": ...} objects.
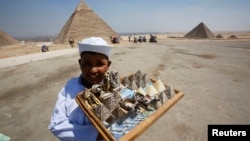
[{"x": 22, "y": 18}]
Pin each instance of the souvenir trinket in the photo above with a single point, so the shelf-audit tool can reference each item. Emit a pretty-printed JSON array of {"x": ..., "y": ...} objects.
[{"x": 120, "y": 105}]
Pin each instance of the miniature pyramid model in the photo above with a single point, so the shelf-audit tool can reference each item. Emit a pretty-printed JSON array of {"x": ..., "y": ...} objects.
[
  {"x": 84, "y": 23},
  {"x": 201, "y": 31},
  {"x": 6, "y": 39}
]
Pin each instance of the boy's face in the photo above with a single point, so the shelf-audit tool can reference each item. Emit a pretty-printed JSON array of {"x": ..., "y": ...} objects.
[{"x": 93, "y": 66}]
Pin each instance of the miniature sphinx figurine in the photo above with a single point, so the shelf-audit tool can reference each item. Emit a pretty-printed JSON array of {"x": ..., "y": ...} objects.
[
  {"x": 91, "y": 99},
  {"x": 96, "y": 89}
]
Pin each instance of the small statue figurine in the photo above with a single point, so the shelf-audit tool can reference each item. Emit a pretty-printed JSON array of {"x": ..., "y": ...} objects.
[
  {"x": 91, "y": 99},
  {"x": 106, "y": 82},
  {"x": 114, "y": 79}
]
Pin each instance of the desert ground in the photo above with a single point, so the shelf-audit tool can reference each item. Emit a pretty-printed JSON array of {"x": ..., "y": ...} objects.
[{"x": 213, "y": 74}]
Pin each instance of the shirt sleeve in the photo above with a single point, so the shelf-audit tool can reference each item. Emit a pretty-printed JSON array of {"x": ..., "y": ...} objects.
[{"x": 64, "y": 129}]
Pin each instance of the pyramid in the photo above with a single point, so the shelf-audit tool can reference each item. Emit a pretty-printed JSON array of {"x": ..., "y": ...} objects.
[
  {"x": 5, "y": 39},
  {"x": 232, "y": 37},
  {"x": 201, "y": 31},
  {"x": 219, "y": 36},
  {"x": 84, "y": 23}
]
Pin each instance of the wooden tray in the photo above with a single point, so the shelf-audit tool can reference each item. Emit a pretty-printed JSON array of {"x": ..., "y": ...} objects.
[{"x": 138, "y": 129}]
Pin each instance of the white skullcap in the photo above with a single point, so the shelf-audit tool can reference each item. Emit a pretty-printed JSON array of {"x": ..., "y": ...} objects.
[{"x": 95, "y": 44}]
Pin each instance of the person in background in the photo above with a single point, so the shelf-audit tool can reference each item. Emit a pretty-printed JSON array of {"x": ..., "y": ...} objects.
[
  {"x": 144, "y": 39},
  {"x": 111, "y": 39},
  {"x": 68, "y": 121},
  {"x": 135, "y": 38},
  {"x": 71, "y": 41}
]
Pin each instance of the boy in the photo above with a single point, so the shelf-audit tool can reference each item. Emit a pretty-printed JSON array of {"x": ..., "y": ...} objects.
[{"x": 68, "y": 121}]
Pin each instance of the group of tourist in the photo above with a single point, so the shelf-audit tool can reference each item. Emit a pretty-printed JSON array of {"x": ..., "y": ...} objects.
[{"x": 136, "y": 39}]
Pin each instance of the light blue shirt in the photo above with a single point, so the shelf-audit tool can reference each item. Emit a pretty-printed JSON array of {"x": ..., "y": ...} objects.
[{"x": 68, "y": 121}]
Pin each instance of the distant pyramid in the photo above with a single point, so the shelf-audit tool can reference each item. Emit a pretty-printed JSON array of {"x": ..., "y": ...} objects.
[
  {"x": 5, "y": 39},
  {"x": 219, "y": 36},
  {"x": 84, "y": 23},
  {"x": 201, "y": 31},
  {"x": 232, "y": 37}
]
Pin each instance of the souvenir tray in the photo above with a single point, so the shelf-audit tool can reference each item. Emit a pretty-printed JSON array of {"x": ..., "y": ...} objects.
[{"x": 121, "y": 109}]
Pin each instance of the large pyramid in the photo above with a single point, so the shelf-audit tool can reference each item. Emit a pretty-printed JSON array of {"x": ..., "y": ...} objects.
[
  {"x": 5, "y": 39},
  {"x": 201, "y": 31},
  {"x": 84, "y": 23}
]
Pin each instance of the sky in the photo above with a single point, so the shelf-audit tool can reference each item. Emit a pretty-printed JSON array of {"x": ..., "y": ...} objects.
[{"x": 29, "y": 18}]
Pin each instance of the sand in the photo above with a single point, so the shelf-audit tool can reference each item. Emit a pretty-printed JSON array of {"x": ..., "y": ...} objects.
[{"x": 213, "y": 74}]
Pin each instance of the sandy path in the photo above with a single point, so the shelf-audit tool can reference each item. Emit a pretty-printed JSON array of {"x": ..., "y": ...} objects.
[
  {"x": 18, "y": 60},
  {"x": 213, "y": 74}
]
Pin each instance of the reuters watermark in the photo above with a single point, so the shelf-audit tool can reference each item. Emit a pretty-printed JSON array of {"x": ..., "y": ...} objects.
[{"x": 236, "y": 132}]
